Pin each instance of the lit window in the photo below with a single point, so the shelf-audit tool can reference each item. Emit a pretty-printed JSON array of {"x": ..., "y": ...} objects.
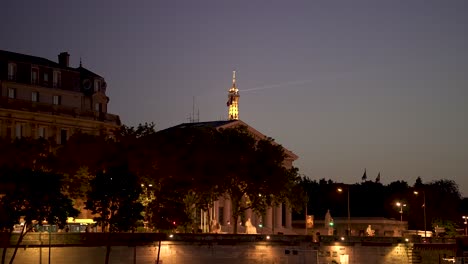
[
  {"x": 19, "y": 130},
  {"x": 57, "y": 100},
  {"x": 34, "y": 75},
  {"x": 35, "y": 96},
  {"x": 42, "y": 132},
  {"x": 57, "y": 79},
  {"x": 12, "y": 93},
  {"x": 11, "y": 71},
  {"x": 98, "y": 107}
]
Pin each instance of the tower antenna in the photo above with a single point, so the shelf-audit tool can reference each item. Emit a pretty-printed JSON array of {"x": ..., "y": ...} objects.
[
  {"x": 192, "y": 118},
  {"x": 233, "y": 100}
]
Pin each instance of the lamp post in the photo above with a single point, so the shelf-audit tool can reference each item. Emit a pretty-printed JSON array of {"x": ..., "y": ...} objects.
[
  {"x": 401, "y": 205},
  {"x": 424, "y": 210},
  {"x": 465, "y": 218},
  {"x": 349, "y": 213}
]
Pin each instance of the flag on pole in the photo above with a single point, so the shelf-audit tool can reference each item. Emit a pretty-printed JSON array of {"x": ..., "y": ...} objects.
[{"x": 364, "y": 176}]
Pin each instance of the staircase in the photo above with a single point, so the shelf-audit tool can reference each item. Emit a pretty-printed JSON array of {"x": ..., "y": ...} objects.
[{"x": 414, "y": 257}]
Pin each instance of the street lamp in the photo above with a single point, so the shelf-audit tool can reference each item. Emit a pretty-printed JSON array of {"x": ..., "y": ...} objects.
[
  {"x": 424, "y": 209},
  {"x": 465, "y": 218},
  {"x": 401, "y": 205},
  {"x": 349, "y": 213}
]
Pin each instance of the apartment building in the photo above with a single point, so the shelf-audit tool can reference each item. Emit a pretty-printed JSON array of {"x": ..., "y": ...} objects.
[{"x": 43, "y": 98}]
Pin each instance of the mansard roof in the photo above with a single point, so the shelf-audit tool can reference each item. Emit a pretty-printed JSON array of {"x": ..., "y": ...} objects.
[
  {"x": 19, "y": 57},
  {"x": 24, "y": 58}
]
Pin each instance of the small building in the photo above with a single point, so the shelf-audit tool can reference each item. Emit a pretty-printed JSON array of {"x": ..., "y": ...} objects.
[{"x": 359, "y": 226}]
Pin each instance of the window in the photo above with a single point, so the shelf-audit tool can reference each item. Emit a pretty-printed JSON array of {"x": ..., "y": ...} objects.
[
  {"x": 57, "y": 79},
  {"x": 11, "y": 71},
  {"x": 57, "y": 100},
  {"x": 34, "y": 75},
  {"x": 63, "y": 136},
  {"x": 42, "y": 132},
  {"x": 97, "y": 85},
  {"x": 35, "y": 96},
  {"x": 12, "y": 93},
  {"x": 98, "y": 107},
  {"x": 19, "y": 130},
  {"x": 46, "y": 78}
]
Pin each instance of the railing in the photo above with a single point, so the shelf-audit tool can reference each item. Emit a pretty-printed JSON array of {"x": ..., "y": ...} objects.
[
  {"x": 25, "y": 105},
  {"x": 14, "y": 78},
  {"x": 390, "y": 240}
]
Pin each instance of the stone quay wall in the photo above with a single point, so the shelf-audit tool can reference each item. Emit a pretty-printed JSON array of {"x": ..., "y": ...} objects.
[{"x": 142, "y": 248}]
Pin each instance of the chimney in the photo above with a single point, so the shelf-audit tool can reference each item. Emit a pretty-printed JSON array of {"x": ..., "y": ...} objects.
[{"x": 64, "y": 59}]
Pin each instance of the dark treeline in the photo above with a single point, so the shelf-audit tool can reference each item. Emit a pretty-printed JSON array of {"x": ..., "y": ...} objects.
[
  {"x": 163, "y": 178},
  {"x": 141, "y": 176},
  {"x": 443, "y": 201}
]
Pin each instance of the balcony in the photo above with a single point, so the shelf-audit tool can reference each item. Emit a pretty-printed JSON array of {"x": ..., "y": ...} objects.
[{"x": 60, "y": 110}]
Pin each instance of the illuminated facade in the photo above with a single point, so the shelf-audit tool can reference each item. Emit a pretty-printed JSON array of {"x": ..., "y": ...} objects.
[
  {"x": 233, "y": 100},
  {"x": 277, "y": 219},
  {"x": 42, "y": 98}
]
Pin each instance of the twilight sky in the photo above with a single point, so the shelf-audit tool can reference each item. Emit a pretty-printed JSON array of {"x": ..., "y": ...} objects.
[{"x": 346, "y": 85}]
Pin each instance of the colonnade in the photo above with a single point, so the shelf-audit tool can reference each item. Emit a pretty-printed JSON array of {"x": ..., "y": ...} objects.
[{"x": 276, "y": 219}]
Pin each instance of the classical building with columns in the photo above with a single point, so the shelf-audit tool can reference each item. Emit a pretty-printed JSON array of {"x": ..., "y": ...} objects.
[
  {"x": 43, "y": 98},
  {"x": 276, "y": 220}
]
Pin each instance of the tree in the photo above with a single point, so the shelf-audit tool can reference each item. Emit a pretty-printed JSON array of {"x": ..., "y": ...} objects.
[
  {"x": 112, "y": 191},
  {"x": 114, "y": 198},
  {"x": 34, "y": 197},
  {"x": 253, "y": 173},
  {"x": 443, "y": 199},
  {"x": 34, "y": 153}
]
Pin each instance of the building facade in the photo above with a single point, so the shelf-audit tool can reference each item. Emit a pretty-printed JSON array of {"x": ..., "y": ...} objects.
[
  {"x": 277, "y": 219},
  {"x": 42, "y": 98}
]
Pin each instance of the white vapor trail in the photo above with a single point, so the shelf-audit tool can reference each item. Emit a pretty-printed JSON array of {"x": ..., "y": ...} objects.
[{"x": 272, "y": 86}]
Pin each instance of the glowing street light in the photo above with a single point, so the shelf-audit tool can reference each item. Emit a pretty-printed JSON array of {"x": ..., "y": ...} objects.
[
  {"x": 465, "y": 218},
  {"x": 401, "y": 205},
  {"x": 349, "y": 213},
  {"x": 424, "y": 209}
]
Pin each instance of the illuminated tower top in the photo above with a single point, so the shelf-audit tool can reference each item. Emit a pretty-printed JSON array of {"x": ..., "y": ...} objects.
[{"x": 233, "y": 100}]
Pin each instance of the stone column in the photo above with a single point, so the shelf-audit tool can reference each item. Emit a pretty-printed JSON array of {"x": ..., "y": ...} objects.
[
  {"x": 227, "y": 211},
  {"x": 278, "y": 216},
  {"x": 34, "y": 131},
  {"x": 215, "y": 212},
  {"x": 288, "y": 218},
  {"x": 256, "y": 219},
  {"x": 268, "y": 221}
]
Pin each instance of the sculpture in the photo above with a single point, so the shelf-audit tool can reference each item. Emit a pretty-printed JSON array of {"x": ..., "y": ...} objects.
[
  {"x": 249, "y": 228},
  {"x": 369, "y": 231},
  {"x": 215, "y": 226},
  {"x": 328, "y": 223}
]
